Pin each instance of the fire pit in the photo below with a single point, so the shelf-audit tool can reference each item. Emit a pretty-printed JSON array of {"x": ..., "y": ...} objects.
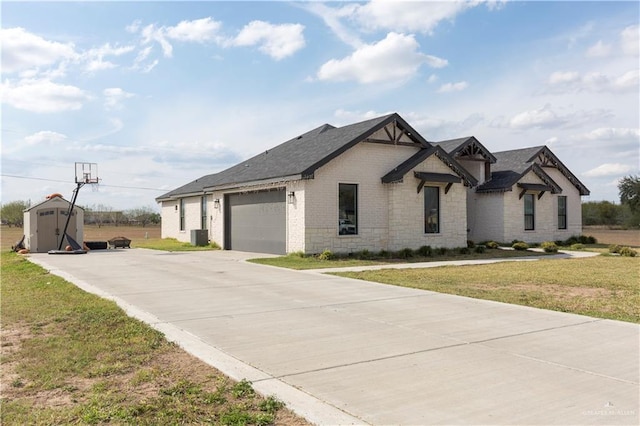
[{"x": 121, "y": 242}]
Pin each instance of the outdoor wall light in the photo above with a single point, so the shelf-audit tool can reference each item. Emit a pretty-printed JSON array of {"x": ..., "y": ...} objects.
[
  {"x": 292, "y": 197},
  {"x": 216, "y": 203}
]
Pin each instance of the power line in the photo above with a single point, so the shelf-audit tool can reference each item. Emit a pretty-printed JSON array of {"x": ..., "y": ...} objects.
[{"x": 64, "y": 181}]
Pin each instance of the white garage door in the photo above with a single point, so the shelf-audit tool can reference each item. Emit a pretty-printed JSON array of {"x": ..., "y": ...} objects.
[{"x": 257, "y": 222}]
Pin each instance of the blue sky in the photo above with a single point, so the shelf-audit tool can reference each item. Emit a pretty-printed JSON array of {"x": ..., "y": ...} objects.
[{"x": 161, "y": 93}]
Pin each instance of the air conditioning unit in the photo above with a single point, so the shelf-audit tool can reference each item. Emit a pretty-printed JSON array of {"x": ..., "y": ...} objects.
[{"x": 199, "y": 237}]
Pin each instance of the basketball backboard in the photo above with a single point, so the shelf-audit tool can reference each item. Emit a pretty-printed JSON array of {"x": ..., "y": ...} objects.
[{"x": 87, "y": 173}]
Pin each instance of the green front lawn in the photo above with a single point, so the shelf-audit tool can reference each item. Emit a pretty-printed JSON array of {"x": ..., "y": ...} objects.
[{"x": 601, "y": 286}]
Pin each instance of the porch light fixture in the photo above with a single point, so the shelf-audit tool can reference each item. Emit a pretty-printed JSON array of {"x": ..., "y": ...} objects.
[
  {"x": 216, "y": 203},
  {"x": 292, "y": 197}
]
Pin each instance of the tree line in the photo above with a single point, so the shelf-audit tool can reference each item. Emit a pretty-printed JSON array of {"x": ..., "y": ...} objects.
[{"x": 12, "y": 214}]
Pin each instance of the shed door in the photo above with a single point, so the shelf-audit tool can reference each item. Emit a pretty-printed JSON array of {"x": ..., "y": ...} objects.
[
  {"x": 51, "y": 223},
  {"x": 256, "y": 222}
]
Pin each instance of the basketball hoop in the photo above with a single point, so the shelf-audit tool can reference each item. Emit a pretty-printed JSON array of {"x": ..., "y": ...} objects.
[{"x": 86, "y": 173}]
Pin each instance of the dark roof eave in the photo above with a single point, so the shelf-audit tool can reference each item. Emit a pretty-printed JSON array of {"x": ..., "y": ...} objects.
[{"x": 562, "y": 168}]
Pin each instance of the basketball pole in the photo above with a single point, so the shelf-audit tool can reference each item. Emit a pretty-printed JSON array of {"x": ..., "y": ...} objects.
[{"x": 73, "y": 203}]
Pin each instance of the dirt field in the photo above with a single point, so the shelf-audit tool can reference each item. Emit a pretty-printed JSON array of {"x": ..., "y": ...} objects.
[
  {"x": 629, "y": 238},
  {"x": 9, "y": 236}
]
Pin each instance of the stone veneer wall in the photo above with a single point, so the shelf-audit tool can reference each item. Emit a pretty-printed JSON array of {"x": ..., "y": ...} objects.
[
  {"x": 364, "y": 165},
  {"x": 406, "y": 223}
]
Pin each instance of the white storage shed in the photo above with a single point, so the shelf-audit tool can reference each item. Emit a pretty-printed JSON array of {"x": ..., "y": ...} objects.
[{"x": 44, "y": 224}]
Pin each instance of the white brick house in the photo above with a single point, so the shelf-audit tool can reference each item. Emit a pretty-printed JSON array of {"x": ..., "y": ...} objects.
[{"x": 375, "y": 185}]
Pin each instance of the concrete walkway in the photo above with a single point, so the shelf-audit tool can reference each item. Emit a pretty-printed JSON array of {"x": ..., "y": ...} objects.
[
  {"x": 435, "y": 264},
  {"x": 342, "y": 351}
]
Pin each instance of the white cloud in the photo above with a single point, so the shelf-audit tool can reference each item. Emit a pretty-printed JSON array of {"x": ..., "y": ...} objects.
[
  {"x": 198, "y": 30},
  {"x": 22, "y": 50},
  {"x": 630, "y": 40},
  {"x": 45, "y": 137},
  {"x": 150, "y": 34},
  {"x": 608, "y": 169},
  {"x": 432, "y": 78},
  {"x": 599, "y": 50},
  {"x": 409, "y": 16},
  {"x": 541, "y": 117},
  {"x": 332, "y": 19},
  {"x": 395, "y": 57},
  {"x": 564, "y": 77},
  {"x": 572, "y": 82},
  {"x": 453, "y": 87},
  {"x": 114, "y": 96},
  {"x": 95, "y": 57},
  {"x": 277, "y": 41},
  {"x": 611, "y": 133},
  {"x": 42, "y": 96}
]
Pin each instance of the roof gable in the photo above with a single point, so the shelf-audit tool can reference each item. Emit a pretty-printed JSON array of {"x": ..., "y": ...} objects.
[
  {"x": 300, "y": 157},
  {"x": 467, "y": 146},
  {"x": 512, "y": 165},
  {"x": 397, "y": 174}
]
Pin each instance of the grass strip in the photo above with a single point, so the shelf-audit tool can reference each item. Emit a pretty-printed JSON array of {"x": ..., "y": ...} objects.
[
  {"x": 299, "y": 262},
  {"x": 69, "y": 357},
  {"x": 601, "y": 286}
]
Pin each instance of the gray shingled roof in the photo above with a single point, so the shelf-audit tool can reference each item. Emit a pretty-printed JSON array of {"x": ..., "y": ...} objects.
[
  {"x": 454, "y": 146},
  {"x": 512, "y": 165},
  {"x": 298, "y": 157}
]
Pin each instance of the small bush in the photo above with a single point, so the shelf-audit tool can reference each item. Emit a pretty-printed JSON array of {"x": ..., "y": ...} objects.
[
  {"x": 627, "y": 251},
  {"x": 464, "y": 250},
  {"x": 405, "y": 253},
  {"x": 492, "y": 245},
  {"x": 214, "y": 245},
  {"x": 549, "y": 247},
  {"x": 480, "y": 249},
  {"x": 364, "y": 255},
  {"x": 326, "y": 255},
  {"x": 384, "y": 254},
  {"x": 577, "y": 246},
  {"x": 299, "y": 254},
  {"x": 470, "y": 244},
  {"x": 615, "y": 248},
  {"x": 583, "y": 239},
  {"x": 521, "y": 246},
  {"x": 425, "y": 251},
  {"x": 442, "y": 251},
  {"x": 571, "y": 240}
]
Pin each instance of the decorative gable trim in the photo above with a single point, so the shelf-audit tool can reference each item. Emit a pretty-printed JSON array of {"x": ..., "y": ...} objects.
[
  {"x": 397, "y": 174},
  {"x": 472, "y": 147},
  {"x": 546, "y": 158},
  {"x": 395, "y": 119}
]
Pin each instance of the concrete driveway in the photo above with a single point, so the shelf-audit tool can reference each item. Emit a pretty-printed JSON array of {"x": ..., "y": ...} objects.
[{"x": 342, "y": 351}]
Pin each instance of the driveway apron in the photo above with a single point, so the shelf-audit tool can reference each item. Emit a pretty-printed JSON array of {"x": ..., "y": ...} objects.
[{"x": 343, "y": 351}]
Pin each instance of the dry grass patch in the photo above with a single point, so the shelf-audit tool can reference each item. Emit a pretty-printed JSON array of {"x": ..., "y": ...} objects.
[{"x": 602, "y": 286}]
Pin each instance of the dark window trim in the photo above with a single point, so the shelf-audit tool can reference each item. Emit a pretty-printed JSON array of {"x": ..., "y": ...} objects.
[
  {"x": 437, "y": 229},
  {"x": 203, "y": 212},
  {"x": 355, "y": 208},
  {"x": 182, "y": 215},
  {"x": 562, "y": 216},
  {"x": 532, "y": 215}
]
